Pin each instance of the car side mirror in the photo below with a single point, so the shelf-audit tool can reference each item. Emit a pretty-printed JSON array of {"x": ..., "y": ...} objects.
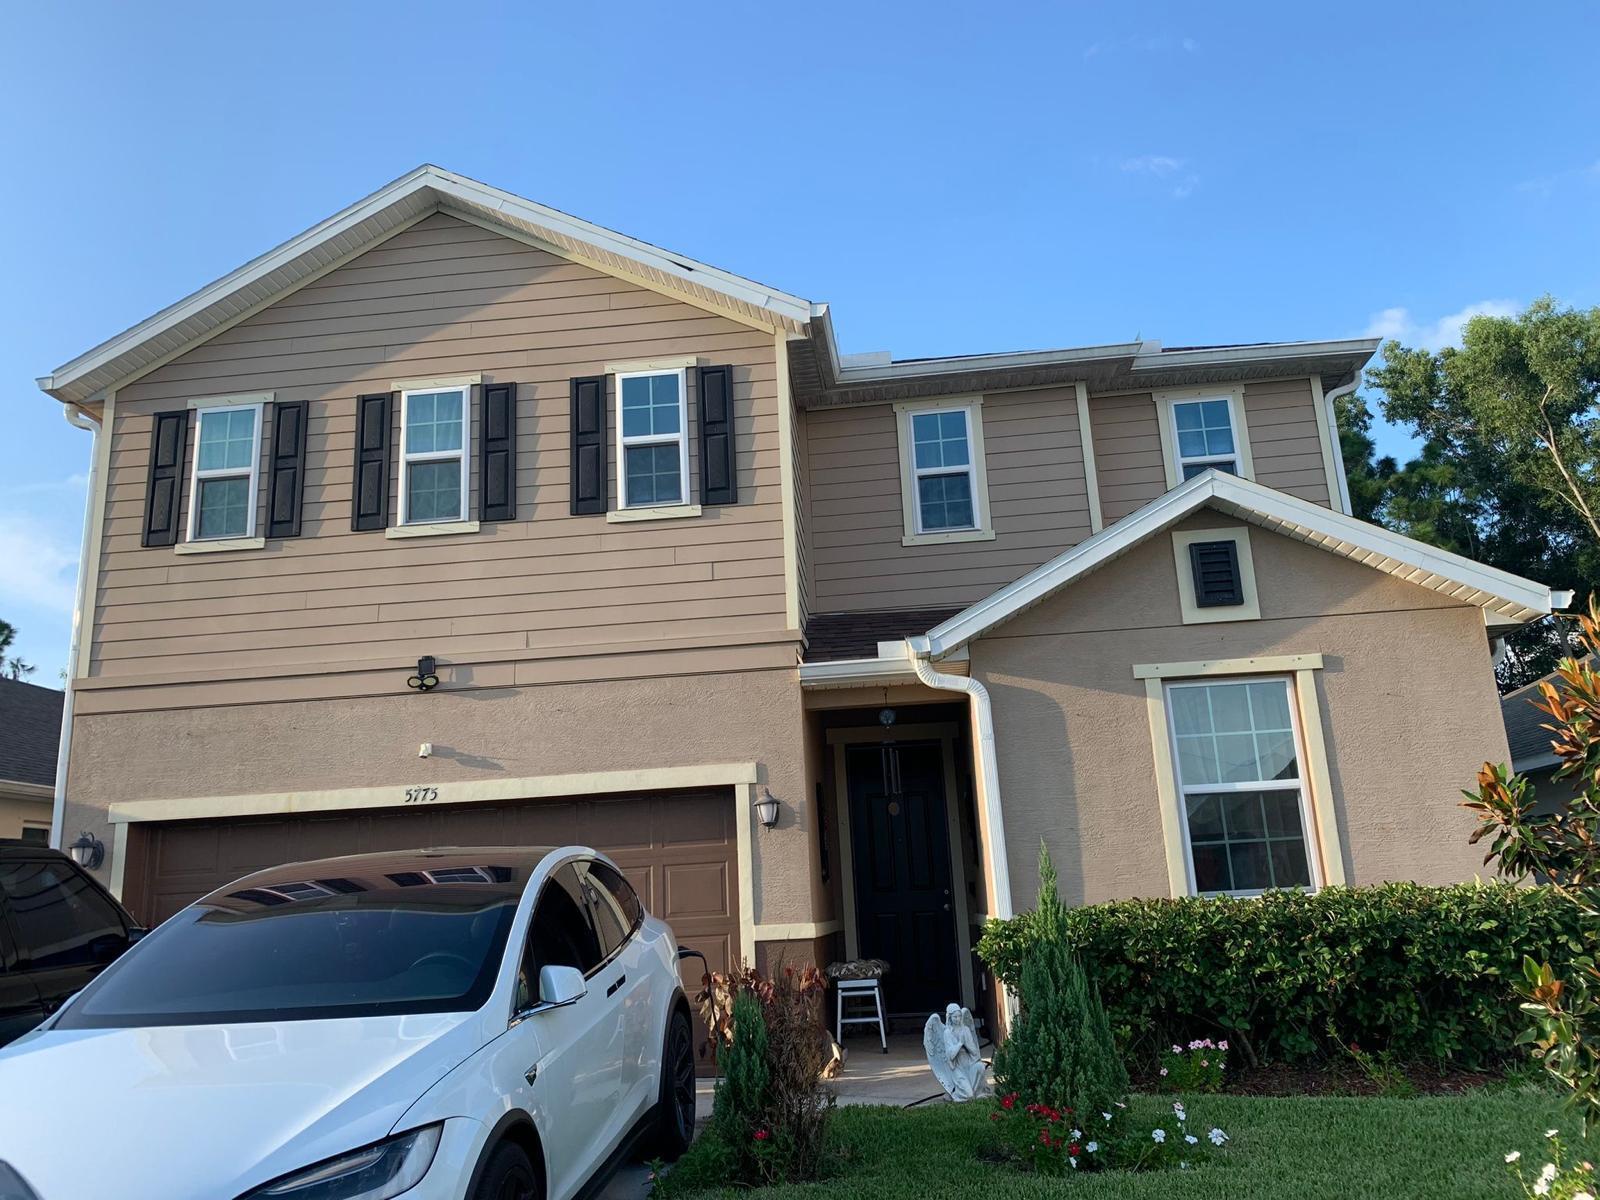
[{"x": 560, "y": 986}]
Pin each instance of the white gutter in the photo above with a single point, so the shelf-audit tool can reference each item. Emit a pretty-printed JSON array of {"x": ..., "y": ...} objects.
[
  {"x": 78, "y": 419},
  {"x": 1338, "y": 449},
  {"x": 991, "y": 821}
]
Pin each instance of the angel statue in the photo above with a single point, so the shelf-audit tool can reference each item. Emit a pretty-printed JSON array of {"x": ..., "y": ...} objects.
[{"x": 952, "y": 1046}]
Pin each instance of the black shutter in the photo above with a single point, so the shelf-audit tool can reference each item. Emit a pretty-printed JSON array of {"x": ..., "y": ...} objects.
[
  {"x": 288, "y": 478},
  {"x": 497, "y": 493},
  {"x": 164, "y": 485},
  {"x": 370, "y": 499},
  {"x": 1216, "y": 574},
  {"x": 719, "y": 483},
  {"x": 589, "y": 445}
]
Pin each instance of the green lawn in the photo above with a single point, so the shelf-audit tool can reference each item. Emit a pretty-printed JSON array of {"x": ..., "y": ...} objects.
[{"x": 1302, "y": 1148}]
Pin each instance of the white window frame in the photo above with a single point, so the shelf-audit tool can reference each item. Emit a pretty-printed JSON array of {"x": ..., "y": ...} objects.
[
  {"x": 1302, "y": 783},
  {"x": 971, "y": 409},
  {"x": 680, "y": 440},
  {"x": 407, "y": 458},
  {"x": 1167, "y": 406},
  {"x": 197, "y": 476}
]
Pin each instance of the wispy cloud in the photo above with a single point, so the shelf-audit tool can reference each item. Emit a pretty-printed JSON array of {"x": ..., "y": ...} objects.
[
  {"x": 1165, "y": 167},
  {"x": 41, "y": 570},
  {"x": 1545, "y": 186},
  {"x": 1399, "y": 323}
]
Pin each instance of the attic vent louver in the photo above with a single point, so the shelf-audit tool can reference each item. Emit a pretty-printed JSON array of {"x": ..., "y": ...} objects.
[{"x": 1217, "y": 582}]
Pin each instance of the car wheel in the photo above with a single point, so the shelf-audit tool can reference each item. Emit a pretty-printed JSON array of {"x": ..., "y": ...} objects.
[
  {"x": 508, "y": 1176},
  {"x": 675, "y": 1105}
]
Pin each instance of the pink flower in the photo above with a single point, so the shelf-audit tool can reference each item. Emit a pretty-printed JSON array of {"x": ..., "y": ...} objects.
[
  {"x": 762, "y": 1135},
  {"x": 1163, "y": 1071},
  {"x": 1205, "y": 1062},
  {"x": 1223, "y": 1044}
]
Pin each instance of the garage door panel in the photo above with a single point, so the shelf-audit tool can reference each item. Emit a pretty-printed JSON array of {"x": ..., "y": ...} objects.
[
  {"x": 542, "y": 824},
  {"x": 692, "y": 821},
  {"x": 695, "y": 891}
]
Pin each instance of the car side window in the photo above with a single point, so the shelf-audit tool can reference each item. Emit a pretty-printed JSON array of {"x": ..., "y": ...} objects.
[
  {"x": 617, "y": 911},
  {"x": 561, "y": 934},
  {"x": 60, "y": 918}
]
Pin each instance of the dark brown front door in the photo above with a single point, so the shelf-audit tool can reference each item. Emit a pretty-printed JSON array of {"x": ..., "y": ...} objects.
[{"x": 901, "y": 848}]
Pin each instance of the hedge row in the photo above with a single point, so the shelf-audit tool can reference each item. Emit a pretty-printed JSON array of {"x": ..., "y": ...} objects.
[{"x": 1423, "y": 972}]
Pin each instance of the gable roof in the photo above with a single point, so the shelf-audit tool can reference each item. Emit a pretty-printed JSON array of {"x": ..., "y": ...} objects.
[
  {"x": 1505, "y": 598},
  {"x": 31, "y": 717},
  {"x": 1526, "y": 737},
  {"x": 367, "y": 222}
]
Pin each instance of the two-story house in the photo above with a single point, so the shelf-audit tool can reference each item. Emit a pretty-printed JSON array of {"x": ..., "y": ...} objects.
[{"x": 459, "y": 520}]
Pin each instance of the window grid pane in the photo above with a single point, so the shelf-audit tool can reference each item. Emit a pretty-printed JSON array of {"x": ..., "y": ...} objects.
[
  {"x": 224, "y": 507},
  {"x": 653, "y": 475},
  {"x": 940, "y": 440},
  {"x": 433, "y": 491},
  {"x": 227, "y": 439},
  {"x": 1204, "y": 430},
  {"x": 433, "y": 422},
  {"x": 1246, "y": 839},
  {"x": 650, "y": 406},
  {"x": 945, "y": 502}
]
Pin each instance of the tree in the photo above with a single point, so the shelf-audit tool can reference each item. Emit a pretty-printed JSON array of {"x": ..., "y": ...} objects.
[
  {"x": 12, "y": 666},
  {"x": 1560, "y": 845}
]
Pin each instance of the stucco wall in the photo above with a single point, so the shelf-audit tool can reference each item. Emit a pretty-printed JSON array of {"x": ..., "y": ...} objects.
[
  {"x": 484, "y": 733},
  {"x": 17, "y": 811},
  {"x": 1407, "y": 694}
]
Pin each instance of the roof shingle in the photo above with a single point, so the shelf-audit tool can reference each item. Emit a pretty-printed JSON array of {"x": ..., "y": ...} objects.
[{"x": 31, "y": 718}]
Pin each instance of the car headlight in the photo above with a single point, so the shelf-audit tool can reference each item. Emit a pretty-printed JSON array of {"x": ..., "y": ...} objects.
[{"x": 374, "y": 1172}]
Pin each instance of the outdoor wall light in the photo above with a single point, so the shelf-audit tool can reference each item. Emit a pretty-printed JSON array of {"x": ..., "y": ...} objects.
[
  {"x": 88, "y": 851},
  {"x": 767, "y": 809},
  {"x": 426, "y": 678}
]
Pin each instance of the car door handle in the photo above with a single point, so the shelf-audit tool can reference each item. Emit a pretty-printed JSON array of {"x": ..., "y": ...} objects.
[{"x": 612, "y": 990}]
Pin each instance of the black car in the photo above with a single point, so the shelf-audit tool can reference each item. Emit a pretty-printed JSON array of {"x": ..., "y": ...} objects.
[{"x": 58, "y": 930}]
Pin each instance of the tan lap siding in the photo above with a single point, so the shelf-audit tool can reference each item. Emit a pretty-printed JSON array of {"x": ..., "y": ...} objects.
[
  {"x": 1037, "y": 502},
  {"x": 1284, "y": 444},
  {"x": 1127, "y": 453},
  {"x": 444, "y": 298}
]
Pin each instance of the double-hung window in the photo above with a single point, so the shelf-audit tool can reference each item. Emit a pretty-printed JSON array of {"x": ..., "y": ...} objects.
[
  {"x": 652, "y": 446},
  {"x": 942, "y": 461},
  {"x": 1241, "y": 787},
  {"x": 433, "y": 455},
  {"x": 227, "y": 463},
  {"x": 1204, "y": 435}
]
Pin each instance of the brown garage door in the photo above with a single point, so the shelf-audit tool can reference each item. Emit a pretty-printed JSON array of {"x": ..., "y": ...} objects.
[{"x": 678, "y": 849}]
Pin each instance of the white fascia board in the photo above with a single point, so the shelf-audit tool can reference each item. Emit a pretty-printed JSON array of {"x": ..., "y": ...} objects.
[
  {"x": 1519, "y": 599},
  {"x": 892, "y": 667},
  {"x": 1229, "y": 355},
  {"x": 417, "y": 191}
]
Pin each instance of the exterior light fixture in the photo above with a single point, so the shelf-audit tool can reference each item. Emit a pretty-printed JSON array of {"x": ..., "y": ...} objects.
[
  {"x": 427, "y": 677},
  {"x": 88, "y": 851},
  {"x": 767, "y": 809}
]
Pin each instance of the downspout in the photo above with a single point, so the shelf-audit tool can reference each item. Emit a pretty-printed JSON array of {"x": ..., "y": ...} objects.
[
  {"x": 1332, "y": 417},
  {"x": 991, "y": 821},
  {"x": 78, "y": 419}
]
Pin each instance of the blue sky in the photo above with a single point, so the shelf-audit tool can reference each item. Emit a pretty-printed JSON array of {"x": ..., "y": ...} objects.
[{"x": 950, "y": 178}]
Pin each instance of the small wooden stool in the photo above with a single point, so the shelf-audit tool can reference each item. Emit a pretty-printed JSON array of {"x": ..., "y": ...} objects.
[{"x": 857, "y": 990}]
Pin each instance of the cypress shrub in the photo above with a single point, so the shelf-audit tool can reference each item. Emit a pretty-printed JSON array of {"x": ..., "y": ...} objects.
[{"x": 1060, "y": 1051}]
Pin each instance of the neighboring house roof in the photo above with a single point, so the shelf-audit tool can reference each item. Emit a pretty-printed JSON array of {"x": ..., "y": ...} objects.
[
  {"x": 833, "y": 636},
  {"x": 1505, "y": 598},
  {"x": 367, "y": 222},
  {"x": 1526, "y": 736},
  {"x": 31, "y": 718}
]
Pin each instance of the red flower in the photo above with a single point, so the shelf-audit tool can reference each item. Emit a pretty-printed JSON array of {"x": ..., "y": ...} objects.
[
  {"x": 1008, "y": 1102},
  {"x": 1044, "y": 1137},
  {"x": 762, "y": 1135},
  {"x": 1355, "y": 1048},
  {"x": 1073, "y": 1149}
]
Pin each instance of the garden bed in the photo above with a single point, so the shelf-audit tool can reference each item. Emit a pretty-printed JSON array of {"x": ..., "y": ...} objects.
[{"x": 1311, "y": 1148}]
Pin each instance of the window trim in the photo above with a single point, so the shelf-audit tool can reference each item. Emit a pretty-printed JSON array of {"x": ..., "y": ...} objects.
[
  {"x": 971, "y": 407},
  {"x": 196, "y": 476},
  {"x": 1191, "y": 611},
  {"x": 1166, "y": 411},
  {"x": 464, "y": 454},
  {"x": 1327, "y": 847},
  {"x": 1301, "y": 784},
  {"x": 681, "y": 440}
]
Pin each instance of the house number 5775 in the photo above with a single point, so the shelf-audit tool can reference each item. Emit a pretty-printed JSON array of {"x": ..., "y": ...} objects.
[{"x": 421, "y": 795}]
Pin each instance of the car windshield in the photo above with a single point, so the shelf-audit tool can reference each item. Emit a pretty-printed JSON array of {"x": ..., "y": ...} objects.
[{"x": 308, "y": 951}]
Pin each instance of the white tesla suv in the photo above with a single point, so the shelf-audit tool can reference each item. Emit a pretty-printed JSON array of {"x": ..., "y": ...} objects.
[{"x": 495, "y": 1024}]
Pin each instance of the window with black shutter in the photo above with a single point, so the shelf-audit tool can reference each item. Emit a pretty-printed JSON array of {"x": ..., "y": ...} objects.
[{"x": 1217, "y": 581}]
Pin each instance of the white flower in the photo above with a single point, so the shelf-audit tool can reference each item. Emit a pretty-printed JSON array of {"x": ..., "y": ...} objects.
[
  {"x": 1548, "y": 1173},
  {"x": 1094, "y": 1147},
  {"x": 1582, "y": 1196},
  {"x": 1217, "y": 1137},
  {"x": 1541, "y": 1188},
  {"x": 1077, "y": 1134},
  {"x": 1106, "y": 1115},
  {"x": 1073, "y": 1160},
  {"x": 1550, "y": 1133},
  {"x": 1513, "y": 1156},
  {"x": 1163, "y": 1071},
  {"x": 1190, "y": 1138},
  {"x": 1177, "y": 1049},
  {"x": 1160, "y": 1135},
  {"x": 1183, "y": 1166}
]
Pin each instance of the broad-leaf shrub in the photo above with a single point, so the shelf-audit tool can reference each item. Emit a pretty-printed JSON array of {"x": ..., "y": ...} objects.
[
  {"x": 1425, "y": 973},
  {"x": 1060, "y": 1052}
]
